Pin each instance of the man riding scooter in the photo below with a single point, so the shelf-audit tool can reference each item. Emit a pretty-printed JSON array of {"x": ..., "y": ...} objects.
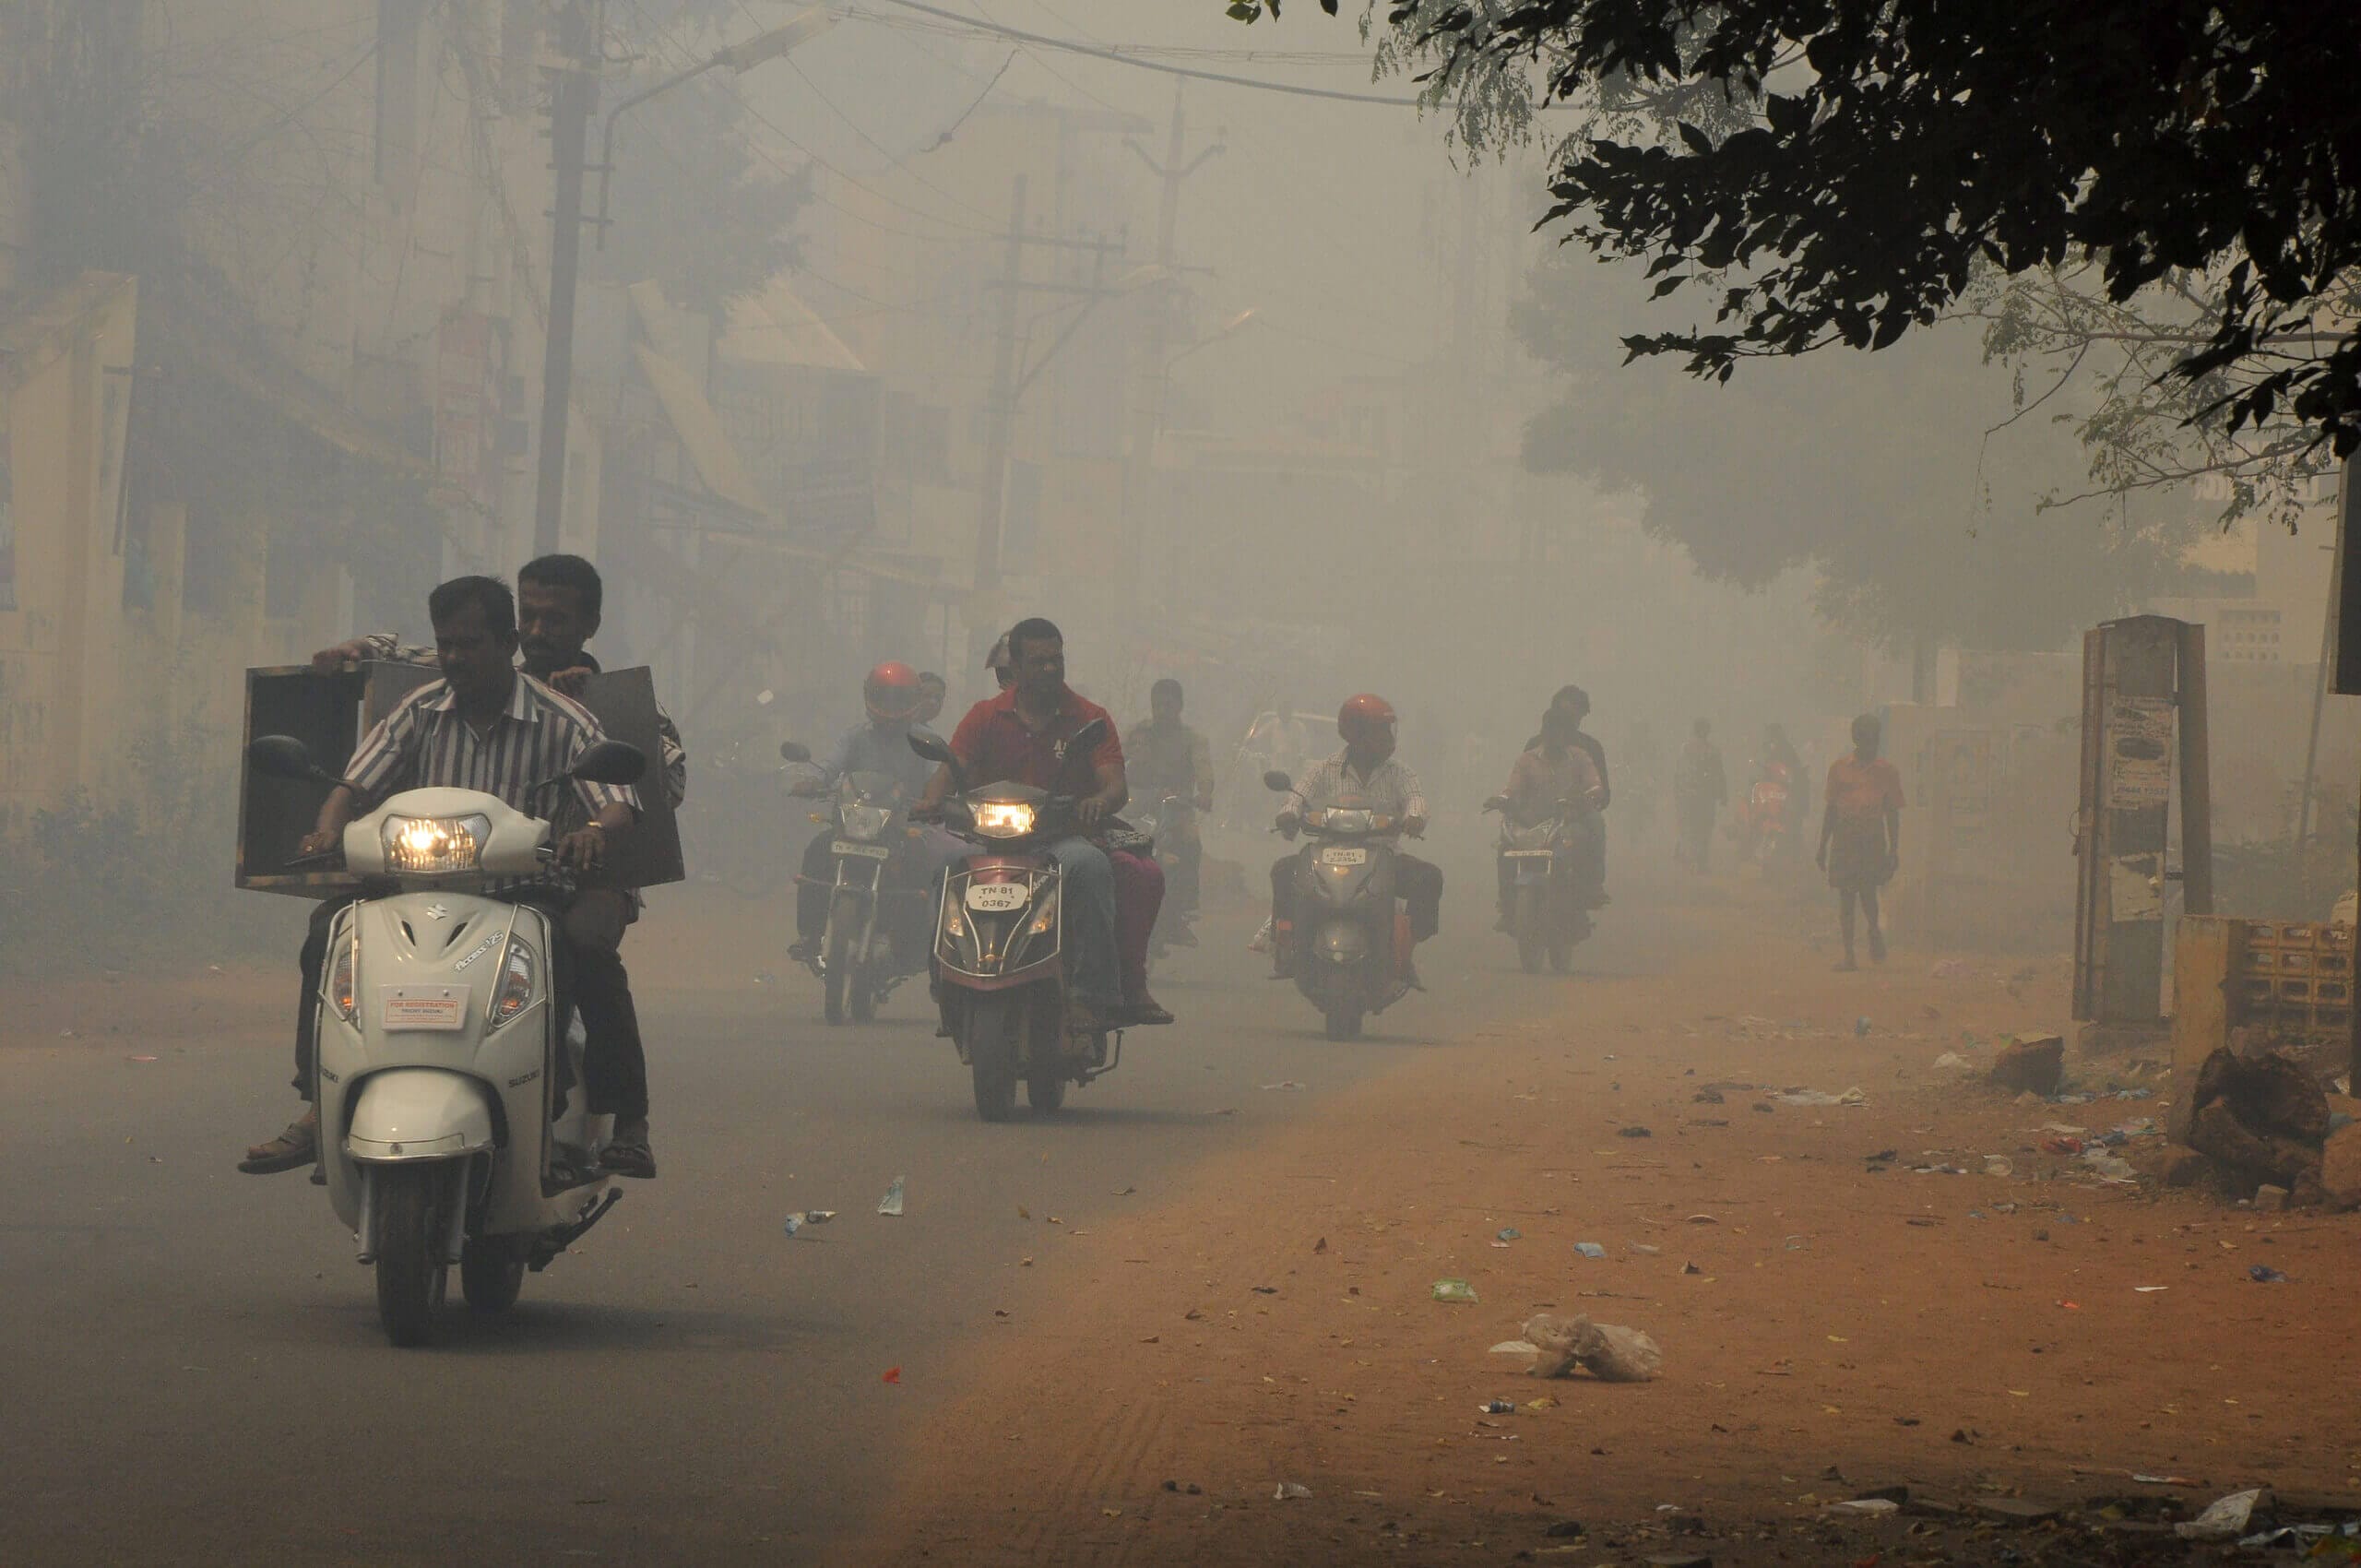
[
  {"x": 1020, "y": 737},
  {"x": 1169, "y": 761},
  {"x": 1367, "y": 772},
  {"x": 894, "y": 697},
  {"x": 486, "y": 726},
  {"x": 560, "y": 600},
  {"x": 1556, "y": 772}
]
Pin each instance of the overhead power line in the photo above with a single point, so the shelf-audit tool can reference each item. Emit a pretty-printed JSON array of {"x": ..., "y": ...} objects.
[{"x": 1121, "y": 58}]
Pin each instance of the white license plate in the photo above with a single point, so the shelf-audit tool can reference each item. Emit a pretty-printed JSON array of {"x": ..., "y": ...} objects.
[
  {"x": 866, "y": 852},
  {"x": 998, "y": 898},
  {"x": 438, "y": 1010},
  {"x": 1336, "y": 855},
  {"x": 1527, "y": 854}
]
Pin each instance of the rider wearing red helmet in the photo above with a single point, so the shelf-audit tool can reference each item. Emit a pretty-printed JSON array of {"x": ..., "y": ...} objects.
[
  {"x": 1365, "y": 772},
  {"x": 892, "y": 694}
]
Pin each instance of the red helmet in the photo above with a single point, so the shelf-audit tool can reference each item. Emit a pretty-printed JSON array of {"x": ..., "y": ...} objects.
[
  {"x": 891, "y": 693},
  {"x": 1365, "y": 718}
]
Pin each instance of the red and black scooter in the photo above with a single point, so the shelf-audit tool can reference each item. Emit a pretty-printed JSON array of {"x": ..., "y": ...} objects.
[{"x": 1001, "y": 976}]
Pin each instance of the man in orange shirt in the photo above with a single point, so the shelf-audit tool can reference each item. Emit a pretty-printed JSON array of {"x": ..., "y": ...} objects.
[{"x": 1862, "y": 826}]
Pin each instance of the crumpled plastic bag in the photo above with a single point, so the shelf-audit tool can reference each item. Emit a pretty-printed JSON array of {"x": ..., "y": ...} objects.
[
  {"x": 1607, "y": 1352},
  {"x": 2227, "y": 1518}
]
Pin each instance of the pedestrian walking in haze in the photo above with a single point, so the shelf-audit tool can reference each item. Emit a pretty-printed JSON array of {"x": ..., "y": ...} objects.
[
  {"x": 1860, "y": 834},
  {"x": 1700, "y": 788}
]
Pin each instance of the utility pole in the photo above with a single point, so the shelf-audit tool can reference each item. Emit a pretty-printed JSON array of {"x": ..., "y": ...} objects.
[
  {"x": 1000, "y": 414},
  {"x": 1147, "y": 414},
  {"x": 574, "y": 99}
]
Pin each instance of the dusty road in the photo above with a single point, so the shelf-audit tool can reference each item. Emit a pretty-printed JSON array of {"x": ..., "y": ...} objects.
[{"x": 192, "y": 1367}]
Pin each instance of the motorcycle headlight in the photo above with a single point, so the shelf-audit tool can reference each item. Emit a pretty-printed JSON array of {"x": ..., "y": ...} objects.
[
  {"x": 866, "y": 822},
  {"x": 516, "y": 990},
  {"x": 1347, "y": 821},
  {"x": 1004, "y": 819},
  {"x": 342, "y": 994},
  {"x": 431, "y": 844}
]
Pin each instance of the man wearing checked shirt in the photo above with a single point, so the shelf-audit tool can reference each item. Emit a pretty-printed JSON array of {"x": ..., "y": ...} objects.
[{"x": 486, "y": 726}]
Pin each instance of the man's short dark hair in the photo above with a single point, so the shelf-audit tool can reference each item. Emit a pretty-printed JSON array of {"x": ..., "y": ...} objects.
[
  {"x": 1031, "y": 630},
  {"x": 488, "y": 594},
  {"x": 1168, "y": 687},
  {"x": 567, "y": 572}
]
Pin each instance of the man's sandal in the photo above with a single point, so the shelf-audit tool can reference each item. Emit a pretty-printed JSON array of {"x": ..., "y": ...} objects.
[{"x": 298, "y": 1145}]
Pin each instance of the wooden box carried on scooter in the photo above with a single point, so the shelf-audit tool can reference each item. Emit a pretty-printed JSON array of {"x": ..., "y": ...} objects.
[{"x": 327, "y": 714}]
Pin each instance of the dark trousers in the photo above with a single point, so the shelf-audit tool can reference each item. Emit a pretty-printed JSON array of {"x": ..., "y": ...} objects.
[
  {"x": 1419, "y": 884},
  {"x": 1696, "y": 842},
  {"x": 587, "y": 971}
]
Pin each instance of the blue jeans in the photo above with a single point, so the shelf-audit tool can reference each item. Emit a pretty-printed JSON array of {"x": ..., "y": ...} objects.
[{"x": 1089, "y": 893}]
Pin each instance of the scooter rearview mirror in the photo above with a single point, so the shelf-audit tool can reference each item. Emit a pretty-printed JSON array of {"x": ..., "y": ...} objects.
[
  {"x": 609, "y": 761},
  {"x": 929, "y": 745},
  {"x": 1278, "y": 782},
  {"x": 281, "y": 756},
  {"x": 794, "y": 751}
]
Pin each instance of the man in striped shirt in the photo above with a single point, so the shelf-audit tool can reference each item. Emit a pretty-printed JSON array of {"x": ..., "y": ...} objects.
[{"x": 486, "y": 726}]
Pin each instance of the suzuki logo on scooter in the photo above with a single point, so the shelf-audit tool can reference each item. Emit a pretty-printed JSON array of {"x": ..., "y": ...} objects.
[{"x": 438, "y": 911}]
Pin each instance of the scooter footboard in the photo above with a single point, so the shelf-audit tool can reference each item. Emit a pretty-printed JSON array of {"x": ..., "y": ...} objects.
[{"x": 419, "y": 1113}]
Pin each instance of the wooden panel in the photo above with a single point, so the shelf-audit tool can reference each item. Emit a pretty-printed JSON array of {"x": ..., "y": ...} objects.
[{"x": 2205, "y": 956}]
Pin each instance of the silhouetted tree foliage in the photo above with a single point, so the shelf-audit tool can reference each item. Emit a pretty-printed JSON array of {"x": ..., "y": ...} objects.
[{"x": 1893, "y": 153}]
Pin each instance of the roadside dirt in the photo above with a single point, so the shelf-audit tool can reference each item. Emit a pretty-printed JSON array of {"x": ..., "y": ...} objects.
[{"x": 1830, "y": 1321}]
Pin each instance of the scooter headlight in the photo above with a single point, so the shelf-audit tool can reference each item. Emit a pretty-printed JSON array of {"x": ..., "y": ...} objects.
[
  {"x": 1004, "y": 819},
  {"x": 342, "y": 994},
  {"x": 1355, "y": 821},
  {"x": 517, "y": 969},
  {"x": 433, "y": 844}
]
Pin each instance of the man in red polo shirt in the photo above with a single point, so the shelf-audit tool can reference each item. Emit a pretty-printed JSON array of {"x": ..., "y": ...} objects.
[{"x": 1020, "y": 737}]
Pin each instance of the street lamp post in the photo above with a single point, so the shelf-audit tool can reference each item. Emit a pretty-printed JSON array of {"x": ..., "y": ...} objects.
[{"x": 576, "y": 101}]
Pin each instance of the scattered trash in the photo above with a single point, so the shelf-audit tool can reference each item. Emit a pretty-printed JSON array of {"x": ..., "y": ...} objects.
[
  {"x": 1643, "y": 1249},
  {"x": 1321, "y": 1245},
  {"x": 2114, "y": 1167},
  {"x": 1605, "y": 1350},
  {"x": 892, "y": 1375},
  {"x": 2225, "y": 1519},
  {"x": 2163, "y": 1481},
  {"x": 1707, "y": 1096},
  {"x": 2150, "y": 1290},
  {"x": 1590, "y": 1249},
  {"x": 1821, "y": 1097},
  {"x": 1511, "y": 1233},
  {"x": 1290, "y": 1491},
  {"x": 143, "y": 1059},
  {"x": 1861, "y": 1026},
  {"x": 794, "y": 1223},
  {"x": 1703, "y": 1219},
  {"x": 1952, "y": 1061},
  {"x": 1999, "y": 1165},
  {"x": 891, "y": 1204},
  {"x": 1870, "y": 1508},
  {"x": 1633, "y": 1132},
  {"x": 1457, "y": 1292},
  {"x": 1290, "y": 1083},
  {"x": 2263, "y": 1274},
  {"x": 1192, "y": 1488},
  {"x": 818, "y": 1215},
  {"x": 1266, "y": 1290},
  {"x": 1515, "y": 1348},
  {"x": 1497, "y": 1408}
]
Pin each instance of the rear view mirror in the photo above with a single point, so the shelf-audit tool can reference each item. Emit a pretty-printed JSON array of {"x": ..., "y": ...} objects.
[
  {"x": 609, "y": 761},
  {"x": 1088, "y": 739},
  {"x": 794, "y": 751},
  {"x": 281, "y": 756},
  {"x": 929, "y": 745},
  {"x": 1278, "y": 781}
]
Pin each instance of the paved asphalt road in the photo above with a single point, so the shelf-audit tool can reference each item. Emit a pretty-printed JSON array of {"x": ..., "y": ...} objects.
[{"x": 192, "y": 1371}]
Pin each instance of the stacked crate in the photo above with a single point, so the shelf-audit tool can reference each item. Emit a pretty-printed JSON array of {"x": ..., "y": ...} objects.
[{"x": 2295, "y": 977}]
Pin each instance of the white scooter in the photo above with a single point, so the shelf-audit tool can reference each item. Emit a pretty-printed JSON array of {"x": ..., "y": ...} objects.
[{"x": 438, "y": 1040}]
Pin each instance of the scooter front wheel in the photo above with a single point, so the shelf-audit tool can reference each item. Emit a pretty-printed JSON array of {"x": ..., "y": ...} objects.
[
  {"x": 991, "y": 1055},
  {"x": 1344, "y": 1022},
  {"x": 410, "y": 1274}
]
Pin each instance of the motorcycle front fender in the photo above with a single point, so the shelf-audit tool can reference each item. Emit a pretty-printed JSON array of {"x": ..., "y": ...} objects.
[{"x": 406, "y": 1113}]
